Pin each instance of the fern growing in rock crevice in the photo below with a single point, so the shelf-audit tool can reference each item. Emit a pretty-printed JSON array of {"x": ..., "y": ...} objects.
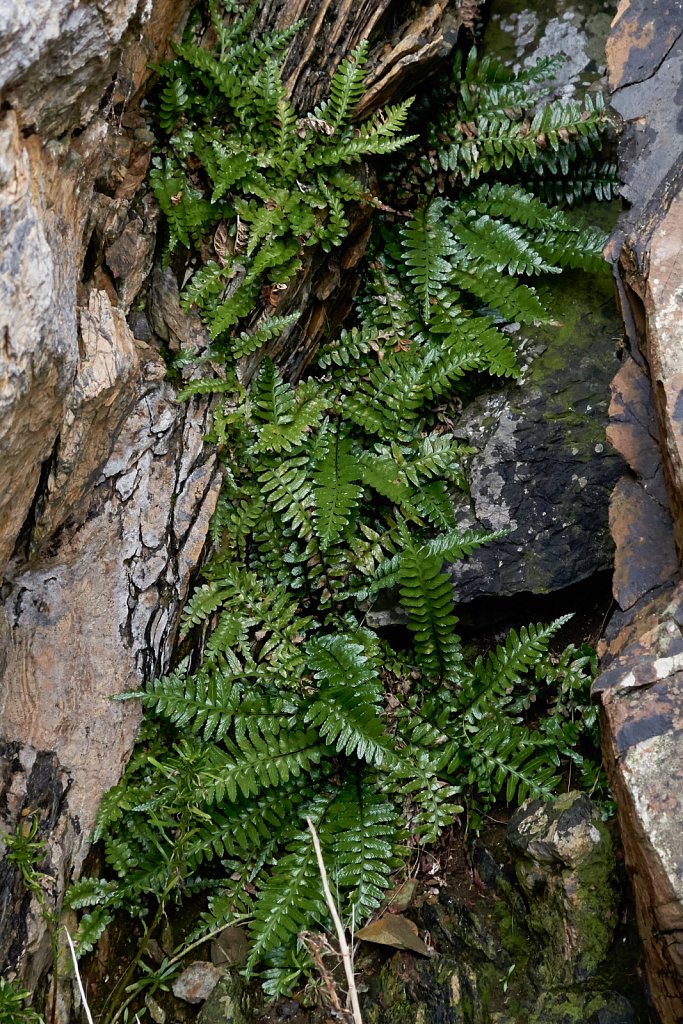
[{"x": 337, "y": 488}]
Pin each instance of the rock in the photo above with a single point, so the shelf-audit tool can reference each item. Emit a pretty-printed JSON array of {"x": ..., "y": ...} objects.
[
  {"x": 640, "y": 685},
  {"x": 230, "y": 947},
  {"x": 407, "y": 990},
  {"x": 96, "y": 452},
  {"x": 566, "y": 866},
  {"x": 197, "y": 982},
  {"x": 640, "y": 520},
  {"x": 644, "y": 61},
  {"x": 544, "y": 470},
  {"x": 583, "y": 1008},
  {"x": 89, "y": 44},
  {"x": 229, "y": 1003},
  {"x": 109, "y": 571},
  {"x": 641, "y": 688},
  {"x": 33, "y": 786}
]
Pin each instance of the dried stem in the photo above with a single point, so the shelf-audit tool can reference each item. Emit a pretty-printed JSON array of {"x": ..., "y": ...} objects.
[{"x": 339, "y": 927}]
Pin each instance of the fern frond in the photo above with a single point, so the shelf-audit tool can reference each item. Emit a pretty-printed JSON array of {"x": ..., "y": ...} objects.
[
  {"x": 336, "y": 491},
  {"x": 346, "y": 88},
  {"x": 292, "y": 898},
  {"x": 285, "y": 414},
  {"x": 427, "y": 596},
  {"x": 427, "y": 243},
  {"x": 504, "y": 295},
  {"x": 288, "y": 490},
  {"x": 270, "y": 327},
  {"x": 345, "y": 710},
  {"x": 364, "y": 833}
]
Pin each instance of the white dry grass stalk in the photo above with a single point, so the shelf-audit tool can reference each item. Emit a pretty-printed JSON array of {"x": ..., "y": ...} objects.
[
  {"x": 339, "y": 928},
  {"x": 84, "y": 1001}
]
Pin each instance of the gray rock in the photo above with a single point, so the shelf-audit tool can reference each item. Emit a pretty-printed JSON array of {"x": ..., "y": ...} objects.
[
  {"x": 197, "y": 982},
  {"x": 229, "y": 1003},
  {"x": 544, "y": 470}
]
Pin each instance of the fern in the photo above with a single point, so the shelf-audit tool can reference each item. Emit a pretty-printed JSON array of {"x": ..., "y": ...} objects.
[
  {"x": 427, "y": 241},
  {"x": 337, "y": 488}
]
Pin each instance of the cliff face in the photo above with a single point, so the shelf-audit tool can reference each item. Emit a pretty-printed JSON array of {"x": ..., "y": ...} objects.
[
  {"x": 642, "y": 681},
  {"x": 95, "y": 450},
  {"x": 106, "y": 489}
]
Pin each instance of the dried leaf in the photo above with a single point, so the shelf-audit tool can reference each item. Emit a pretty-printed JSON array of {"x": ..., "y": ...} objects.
[
  {"x": 396, "y": 931},
  {"x": 222, "y": 243}
]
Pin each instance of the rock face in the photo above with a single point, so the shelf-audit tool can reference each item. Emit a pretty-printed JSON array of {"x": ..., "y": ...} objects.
[
  {"x": 527, "y": 941},
  {"x": 641, "y": 683},
  {"x": 96, "y": 451},
  {"x": 543, "y": 470}
]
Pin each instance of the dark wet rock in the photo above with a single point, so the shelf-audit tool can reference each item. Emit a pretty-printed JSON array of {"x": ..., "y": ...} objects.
[
  {"x": 566, "y": 866},
  {"x": 583, "y": 1008},
  {"x": 645, "y": 61},
  {"x": 33, "y": 787},
  {"x": 543, "y": 469},
  {"x": 528, "y": 950}
]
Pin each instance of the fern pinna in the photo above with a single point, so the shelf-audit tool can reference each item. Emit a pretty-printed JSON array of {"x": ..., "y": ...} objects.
[{"x": 336, "y": 488}]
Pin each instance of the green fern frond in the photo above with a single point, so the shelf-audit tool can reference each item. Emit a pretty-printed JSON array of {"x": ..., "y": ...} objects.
[
  {"x": 365, "y": 831},
  {"x": 291, "y": 900},
  {"x": 270, "y": 327},
  {"x": 505, "y": 296},
  {"x": 346, "y": 88},
  {"x": 427, "y": 597},
  {"x": 345, "y": 710},
  {"x": 336, "y": 491},
  {"x": 284, "y": 414},
  {"x": 427, "y": 243},
  {"x": 173, "y": 101}
]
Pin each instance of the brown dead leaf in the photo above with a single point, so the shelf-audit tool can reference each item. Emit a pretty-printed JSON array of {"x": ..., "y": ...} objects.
[
  {"x": 394, "y": 930},
  {"x": 222, "y": 243}
]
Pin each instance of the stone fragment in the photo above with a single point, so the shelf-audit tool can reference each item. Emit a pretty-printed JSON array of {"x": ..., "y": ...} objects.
[
  {"x": 197, "y": 982},
  {"x": 231, "y": 947},
  {"x": 644, "y": 60},
  {"x": 645, "y": 553},
  {"x": 565, "y": 864},
  {"x": 130, "y": 257}
]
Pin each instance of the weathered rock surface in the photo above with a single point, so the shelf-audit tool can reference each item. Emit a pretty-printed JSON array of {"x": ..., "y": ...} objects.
[
  {"x": 96, "y": 451},
  {"x": 197, "y": 982},
  {"x": 640, "y": 686},
  {"x": 566, "y": 867},
  {"x": 641, "y": 689},
  {"x": 543, "y": 470}
]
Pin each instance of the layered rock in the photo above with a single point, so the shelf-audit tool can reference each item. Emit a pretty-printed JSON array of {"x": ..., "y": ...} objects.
[{"x": 640, "y": 686}]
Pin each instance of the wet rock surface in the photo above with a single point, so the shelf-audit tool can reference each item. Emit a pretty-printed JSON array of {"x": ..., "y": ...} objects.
[
  {"x": 565, "y": 865},
  {"x": 543, "y": 470}
]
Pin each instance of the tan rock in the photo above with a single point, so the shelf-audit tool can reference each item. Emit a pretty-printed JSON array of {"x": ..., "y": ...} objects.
[{"x": 641, "y": 691}]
